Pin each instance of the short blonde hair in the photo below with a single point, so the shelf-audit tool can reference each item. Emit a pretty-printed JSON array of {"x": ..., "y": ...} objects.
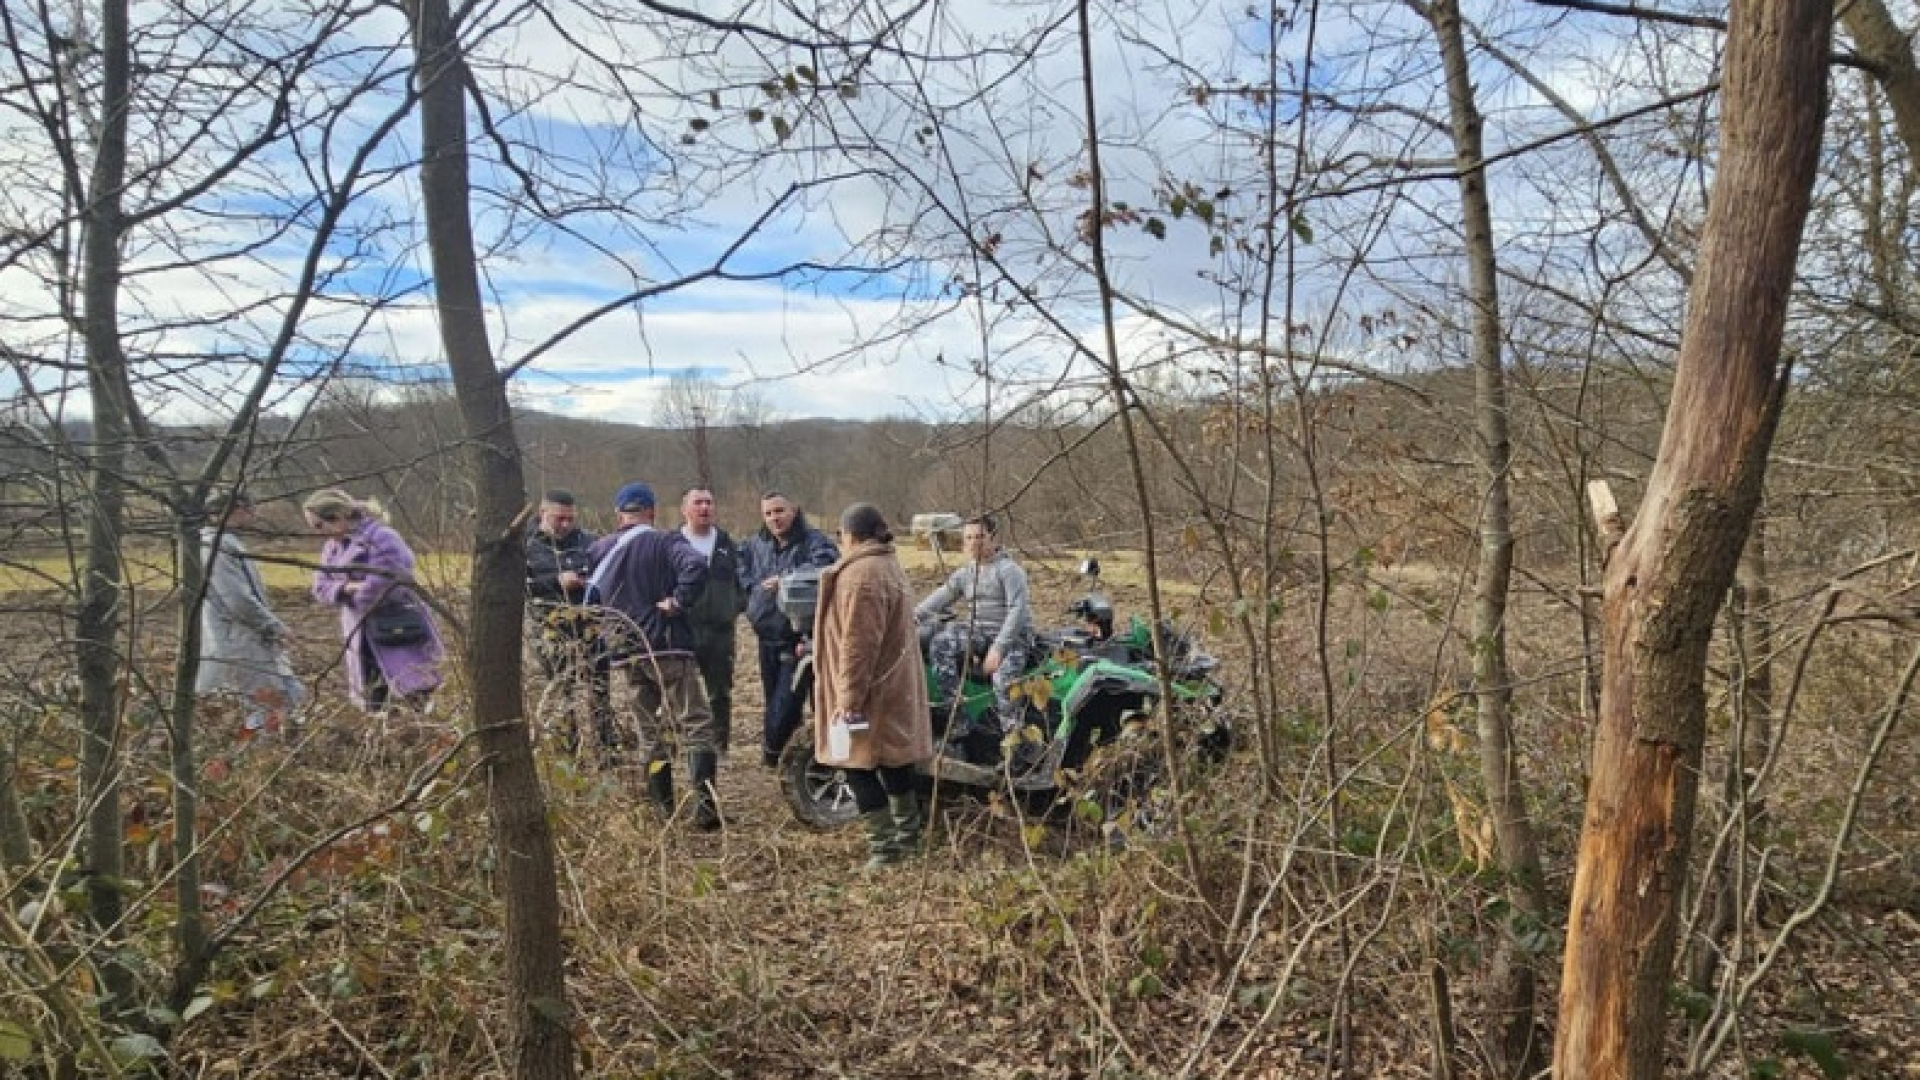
[{"x": 333, "y": 504}]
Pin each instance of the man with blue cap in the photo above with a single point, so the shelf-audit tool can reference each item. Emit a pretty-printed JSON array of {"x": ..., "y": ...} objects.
[{"x": 652, "y": 577}]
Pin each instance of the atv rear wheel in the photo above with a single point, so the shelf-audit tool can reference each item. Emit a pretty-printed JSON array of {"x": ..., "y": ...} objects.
[
  {"x": 1123, "y": 788},
  {"x": 818, "y": 794}
]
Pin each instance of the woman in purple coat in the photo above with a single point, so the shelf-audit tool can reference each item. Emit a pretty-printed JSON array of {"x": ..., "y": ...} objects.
[{"x": 366, "y": 568}]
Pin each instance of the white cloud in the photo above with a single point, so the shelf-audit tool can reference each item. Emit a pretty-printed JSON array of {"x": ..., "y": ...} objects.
[{"x": 1006, "y": 146}]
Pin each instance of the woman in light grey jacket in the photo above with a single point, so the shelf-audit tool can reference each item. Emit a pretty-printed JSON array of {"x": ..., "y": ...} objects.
[{"x": 243, "y": 645}]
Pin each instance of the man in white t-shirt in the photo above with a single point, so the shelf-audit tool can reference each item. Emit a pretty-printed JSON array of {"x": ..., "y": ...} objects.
[{"x": 714, "y": 616}]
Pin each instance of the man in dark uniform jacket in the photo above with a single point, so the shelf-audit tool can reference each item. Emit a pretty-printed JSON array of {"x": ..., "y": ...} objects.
[
  {"x": 785, "y": 543},
  {"x": 557, "y": 568}
]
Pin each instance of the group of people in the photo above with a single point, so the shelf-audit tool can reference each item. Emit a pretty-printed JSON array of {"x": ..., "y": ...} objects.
[
  {"x": 662, "y": 605},
  {"x": 680, "y": 593},
  {"x": 678, "y": 596},
  {"x": 393, "y": 647},
  {"x": 868, "y": 681}
]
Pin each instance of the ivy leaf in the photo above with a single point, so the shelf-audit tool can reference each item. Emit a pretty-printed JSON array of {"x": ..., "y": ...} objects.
[
  {"x": 781, "y": 129},
  {"x": 131, "y": 1049},
  {"x": 1819, "y": 1046},
  {"x": 1156, "y": 228}
]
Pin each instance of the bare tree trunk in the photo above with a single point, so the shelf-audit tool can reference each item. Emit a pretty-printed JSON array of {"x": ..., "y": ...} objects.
[
  {"x": 190, "y": 929},
  {"x": 1665, "y": 580},
  {"x": 16, "y": 841},
  {"x": 1752, "y": 732},
  {"x": 1116, "y": 385},
  {"x": 100, "y": 616},
  {"x": 1753, "y": 601},
  {"x": 1889, "y": 51},
  {"x": 540, "y": 1045},
  {"x": 1512, "y": 977}
]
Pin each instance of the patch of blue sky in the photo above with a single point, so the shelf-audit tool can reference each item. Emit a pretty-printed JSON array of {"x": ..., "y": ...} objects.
[
  {"x": 907, "y": 284},
  {"x": 620, "y": 372},
  {"x": 305, "y": 365},
  {"x": 613, "y": 148},
  {"x": 792, "y": 252}
]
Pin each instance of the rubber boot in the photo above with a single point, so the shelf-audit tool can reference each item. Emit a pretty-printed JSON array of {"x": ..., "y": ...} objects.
[
  {"x": 701, "y": 767},
  {"x": 883, "y": 845},
  {"x": 909, "y": 825},
  {"x": 660, "y": 787}
]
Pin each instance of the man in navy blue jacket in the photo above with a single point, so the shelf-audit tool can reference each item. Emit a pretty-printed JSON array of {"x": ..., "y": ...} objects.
[
  {"x": 786, "y": 543},
  {"x": 652, "y": 578}
]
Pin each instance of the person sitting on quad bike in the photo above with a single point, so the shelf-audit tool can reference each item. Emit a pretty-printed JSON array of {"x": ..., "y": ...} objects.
[
  {"x": 993, "y": 626},
  {"x": 1095, "y": 613},
  {"x": 1088, "y": 732}
]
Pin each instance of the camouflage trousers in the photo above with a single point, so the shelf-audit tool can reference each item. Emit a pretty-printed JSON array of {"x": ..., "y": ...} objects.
[{"x": 955, "y": 648}]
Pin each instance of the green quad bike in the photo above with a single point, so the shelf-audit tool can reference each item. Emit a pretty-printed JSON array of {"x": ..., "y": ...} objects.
[{"x": 1089, "y": 740}]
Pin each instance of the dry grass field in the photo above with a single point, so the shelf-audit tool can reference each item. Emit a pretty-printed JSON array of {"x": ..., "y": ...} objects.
[{"x": 1014, "y": 948}]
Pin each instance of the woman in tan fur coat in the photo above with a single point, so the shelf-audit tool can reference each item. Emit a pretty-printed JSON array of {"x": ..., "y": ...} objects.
[{"x": 868, "y": 676}]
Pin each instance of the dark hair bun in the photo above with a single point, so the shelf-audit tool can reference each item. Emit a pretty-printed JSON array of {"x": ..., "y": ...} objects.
[{"x": 864, "y": 521}]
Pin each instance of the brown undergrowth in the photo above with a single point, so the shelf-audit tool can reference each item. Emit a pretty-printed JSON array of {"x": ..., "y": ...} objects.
[{"x": 1013, "y": 948}]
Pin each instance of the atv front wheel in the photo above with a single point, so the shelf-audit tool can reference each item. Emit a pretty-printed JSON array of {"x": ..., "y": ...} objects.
[{"x": 817, "y": 794}]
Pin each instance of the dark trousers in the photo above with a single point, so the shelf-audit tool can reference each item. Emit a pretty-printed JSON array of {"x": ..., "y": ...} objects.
[
  {"x": 373, "y": 681},
  {"x": 713, "y": 651},
  {"x": 784, "y": 703},
  {"x": 872, "y": 786}
]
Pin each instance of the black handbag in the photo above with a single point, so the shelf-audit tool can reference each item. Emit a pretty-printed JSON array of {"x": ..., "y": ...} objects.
[{"x": 393, "y": 624}]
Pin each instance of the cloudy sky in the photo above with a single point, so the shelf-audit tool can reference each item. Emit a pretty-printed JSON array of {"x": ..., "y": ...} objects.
[{"x": 813, "y": 199}]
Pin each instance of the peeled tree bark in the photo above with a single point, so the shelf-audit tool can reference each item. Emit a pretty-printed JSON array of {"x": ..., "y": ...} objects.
[
  {"x": 539, "y": 1044},
  {"x": 1667, "y": 577}
]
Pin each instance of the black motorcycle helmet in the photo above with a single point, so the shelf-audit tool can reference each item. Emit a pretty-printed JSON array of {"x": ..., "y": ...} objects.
[{"x": 1097, "y": 610}]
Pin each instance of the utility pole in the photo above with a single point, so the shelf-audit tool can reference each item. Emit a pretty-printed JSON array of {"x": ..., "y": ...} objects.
[{"x": 700, "y": 466}]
